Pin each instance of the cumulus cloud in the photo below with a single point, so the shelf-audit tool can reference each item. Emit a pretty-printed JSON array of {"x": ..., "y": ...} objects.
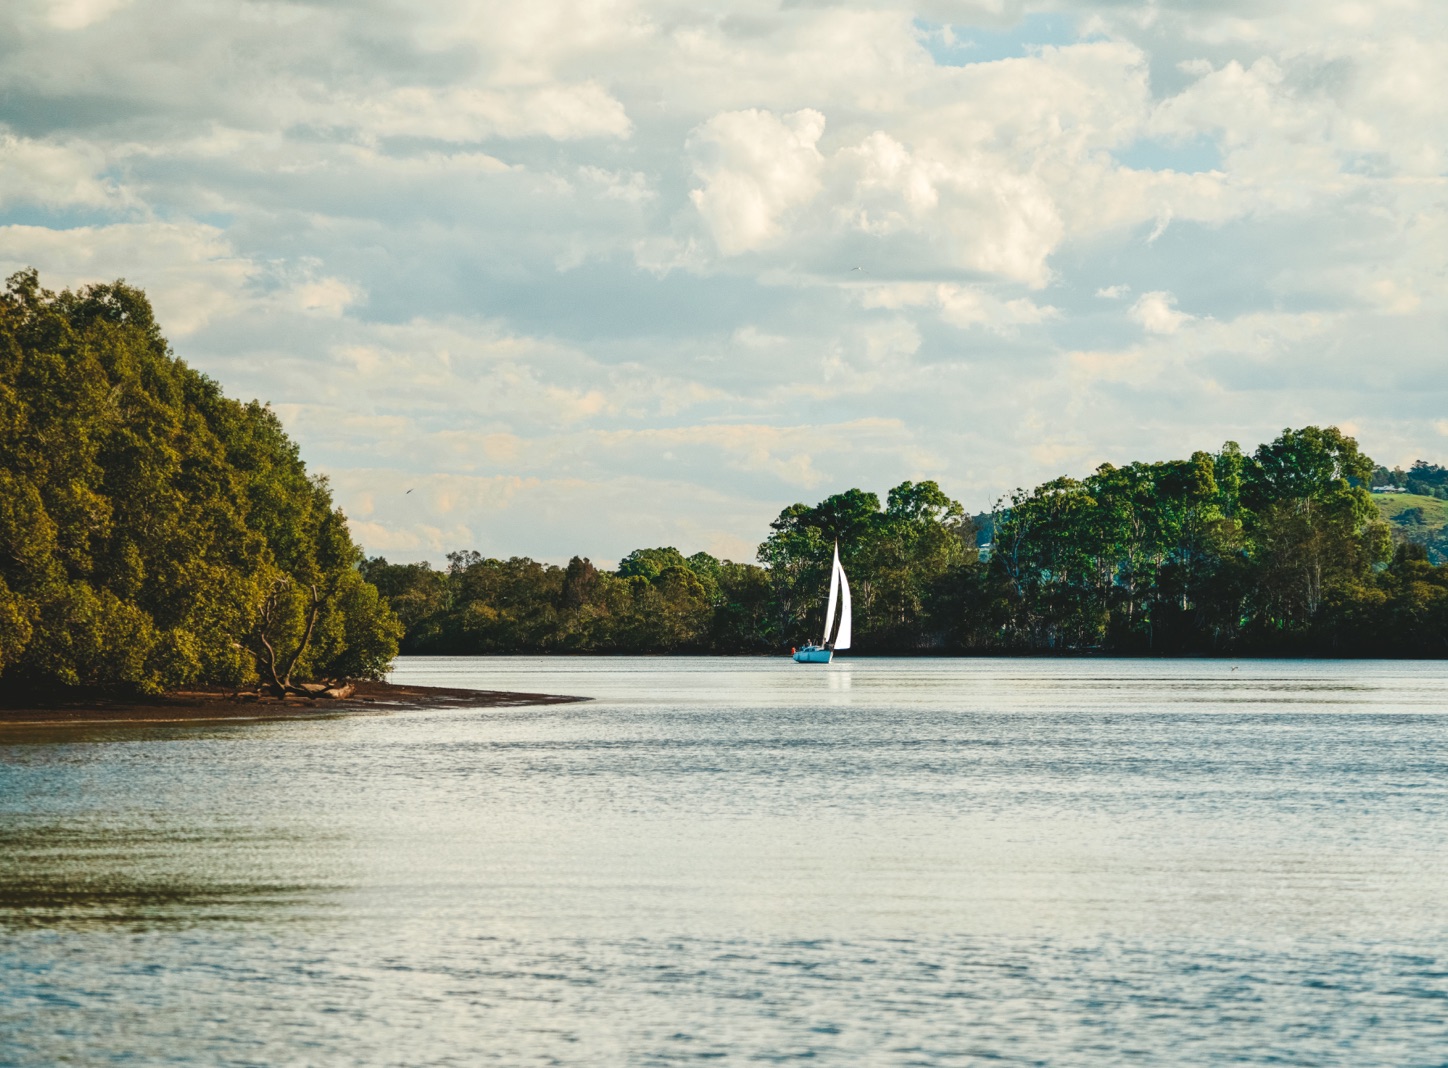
[
  {"x": 672, "y": 270},
  {"x": 191, "y": 272},
  {"x": 755, "y": 168}
]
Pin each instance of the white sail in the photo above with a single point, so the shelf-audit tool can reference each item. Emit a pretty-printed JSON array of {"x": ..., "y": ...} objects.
[
  {"x": 839, "y": 598},
  {"x": 842, "y": 639},
  {"x": 834, "y": 596}
]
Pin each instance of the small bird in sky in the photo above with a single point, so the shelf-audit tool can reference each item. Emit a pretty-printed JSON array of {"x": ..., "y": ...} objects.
[
  {"x": 409, "y": 491},
  {"x": 856, "y": 269}
]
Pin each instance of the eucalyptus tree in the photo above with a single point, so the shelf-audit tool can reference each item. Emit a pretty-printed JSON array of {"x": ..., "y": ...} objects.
[{"x": 1313, "y": 528}]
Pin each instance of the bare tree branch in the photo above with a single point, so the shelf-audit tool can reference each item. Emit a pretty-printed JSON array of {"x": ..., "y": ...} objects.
[
  {"x": 281, "y": 679},
  {"x": 307, "y": 637}
]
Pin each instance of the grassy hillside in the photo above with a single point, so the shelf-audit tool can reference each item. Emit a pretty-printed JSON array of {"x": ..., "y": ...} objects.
[
  {"x": 1409, "y": 511},
  {"x": 1419, "y": 519}
]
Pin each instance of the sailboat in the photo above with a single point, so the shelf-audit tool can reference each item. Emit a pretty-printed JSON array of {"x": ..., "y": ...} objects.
[{"x": 839, "y": 596}]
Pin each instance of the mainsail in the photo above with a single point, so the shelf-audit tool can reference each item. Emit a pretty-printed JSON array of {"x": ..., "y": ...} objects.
[
  {"x": 842, "y": 637},
  {"x": 839, "y": 595}
]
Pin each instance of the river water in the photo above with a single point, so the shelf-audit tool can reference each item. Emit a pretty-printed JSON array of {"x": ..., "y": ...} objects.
[{"x": 879, "y": 862}]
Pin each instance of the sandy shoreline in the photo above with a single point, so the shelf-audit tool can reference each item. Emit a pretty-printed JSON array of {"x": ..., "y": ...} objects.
[{"x": 209, "y": 705}]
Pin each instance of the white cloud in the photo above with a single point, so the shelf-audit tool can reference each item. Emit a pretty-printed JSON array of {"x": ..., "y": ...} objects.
[
  {"x": 557, "y": 258},
  {"x": 562, "y": 112},
  {"x": 55, "y": 174},
  {"x": 191, "y": 272},
  {"x": 786, "y": 453},
  {"x": 756, "y": 167},
  {"x": 78, "y": 14},
  {"x": 960, "y": 306},
  {"x": 1157, "y": 313}
]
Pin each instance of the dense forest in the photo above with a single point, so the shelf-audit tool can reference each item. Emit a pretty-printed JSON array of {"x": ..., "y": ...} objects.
[
  {"x": 155, "y": 534},
  {"x": 1283, "y": 551}
]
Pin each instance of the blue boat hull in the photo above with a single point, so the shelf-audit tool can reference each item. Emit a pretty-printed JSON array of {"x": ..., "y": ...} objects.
[{"x": 811, "y": 655}]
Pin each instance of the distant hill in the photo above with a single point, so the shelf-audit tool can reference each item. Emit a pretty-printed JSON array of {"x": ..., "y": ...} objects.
[{"x": 1419, "y": 519}]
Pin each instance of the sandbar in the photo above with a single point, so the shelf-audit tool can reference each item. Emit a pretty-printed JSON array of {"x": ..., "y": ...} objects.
[{"x": 204, "y": 704}]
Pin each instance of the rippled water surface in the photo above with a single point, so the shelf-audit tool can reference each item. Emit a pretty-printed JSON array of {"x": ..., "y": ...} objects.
[{"x": 912, "y": 862}]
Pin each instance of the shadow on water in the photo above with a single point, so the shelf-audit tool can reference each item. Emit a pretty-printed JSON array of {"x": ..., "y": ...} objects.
[{"x": 59, "y": 877}]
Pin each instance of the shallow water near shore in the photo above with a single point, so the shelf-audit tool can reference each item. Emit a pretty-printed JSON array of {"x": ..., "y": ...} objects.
[{"x": 911, "y": 862}]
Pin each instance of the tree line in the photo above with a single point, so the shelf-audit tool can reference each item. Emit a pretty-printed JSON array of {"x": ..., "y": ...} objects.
[
  {"x": 1280, "y": 551},
  {"x": 1423, "y": 479},
  {"x": 658, "y": 600}
]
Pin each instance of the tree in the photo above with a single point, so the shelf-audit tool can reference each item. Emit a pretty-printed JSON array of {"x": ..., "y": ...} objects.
[
  {"x": 1219, "y": 552},
  {"x": 650, "y": 563},
  {"x": 415, "y": 593},
  {"x": 897, "y": 558},
  {"x": 1313, "y": 527},
  {"x": 154, "y": 533},
  {"x": 1427, "y": 480}
]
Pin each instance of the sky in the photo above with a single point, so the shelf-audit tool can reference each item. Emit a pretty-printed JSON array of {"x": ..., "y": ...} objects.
[{"x": 592, "y": 275}]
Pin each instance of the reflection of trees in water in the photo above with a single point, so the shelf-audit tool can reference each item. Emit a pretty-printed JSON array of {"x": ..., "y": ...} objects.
[
  {"x": 64, "y": 877},
  {"x": 43, "y": 903}
]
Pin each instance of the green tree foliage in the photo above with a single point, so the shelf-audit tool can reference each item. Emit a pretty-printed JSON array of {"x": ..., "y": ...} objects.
[
  {"x": 1278, "y": 551},
  {"x": 1314, "y": 528},
  {"x": 1427, "y": 480},
  {"x": 1395, "y": 478},
  {"x": 903, "y": 560},
  {"x": 154, "y": 533},
  {"x": 907, "y": 562},
  {"x": 1217, "y": 553},
  {"x": 650, "y": 563},
  {"x": 657, "y": 600}
]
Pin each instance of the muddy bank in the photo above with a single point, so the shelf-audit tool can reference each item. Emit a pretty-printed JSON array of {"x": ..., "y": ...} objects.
[{"x": 202, "y": 704}]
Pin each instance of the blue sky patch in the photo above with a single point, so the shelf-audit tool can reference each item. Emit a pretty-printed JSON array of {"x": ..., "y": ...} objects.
[
  {"x": 1185, "y": 157},
  {"x": 959, "y": 46}
]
